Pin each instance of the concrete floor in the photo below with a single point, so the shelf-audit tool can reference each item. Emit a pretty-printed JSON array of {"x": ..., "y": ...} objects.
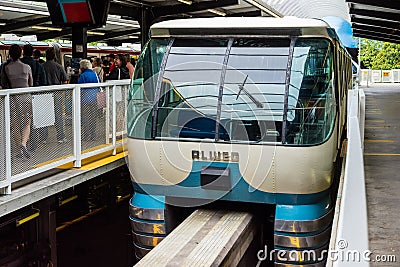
[{"x": 381, "y": 159}]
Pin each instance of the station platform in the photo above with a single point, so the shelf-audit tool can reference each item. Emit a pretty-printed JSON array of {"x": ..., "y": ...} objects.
[
  {"x": 381, "y": 161},
  {"x": 66, "y": 178}
]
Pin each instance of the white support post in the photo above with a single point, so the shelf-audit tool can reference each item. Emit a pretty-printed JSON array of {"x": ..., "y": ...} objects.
[
  {"x": 107, "y": 114},
  {"x": 7, "y": 120},
  {"x": 114, "y": 120},
  {"x": 362, "y": 116},
  {"x": 76, "y": 125},
  {"x": 350, "y": 96}
]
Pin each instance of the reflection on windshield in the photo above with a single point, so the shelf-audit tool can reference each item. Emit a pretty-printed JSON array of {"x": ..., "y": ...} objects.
[{"x": 250, "y": 105}]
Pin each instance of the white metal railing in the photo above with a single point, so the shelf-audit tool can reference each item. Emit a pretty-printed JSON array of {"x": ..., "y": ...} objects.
[
  {"x": 349, "y": 239},
  {"x": 106, "y": 126},
  {"x": 368, "y": 76}
]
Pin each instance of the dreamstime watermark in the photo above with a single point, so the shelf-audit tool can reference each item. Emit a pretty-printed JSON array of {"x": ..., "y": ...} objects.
[{"x": 341, "y": 254}]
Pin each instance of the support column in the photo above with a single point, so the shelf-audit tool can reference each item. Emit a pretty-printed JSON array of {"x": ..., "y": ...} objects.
[
  {"x": 47, "y": 241},
  {"x": 79, "y": 42},
  {"x": 79, "y": 50},
  {"x": 145, "y": 20}
]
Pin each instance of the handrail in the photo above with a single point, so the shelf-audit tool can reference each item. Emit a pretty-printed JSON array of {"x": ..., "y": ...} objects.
[
  {"x": 350, "y": 235},
  {"x": 110, "y": 131}
]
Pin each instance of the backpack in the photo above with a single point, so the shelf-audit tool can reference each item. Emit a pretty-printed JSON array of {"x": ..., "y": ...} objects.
[
  {"x": 36, "y": 81},
  {"x": 5, "y": 82}
]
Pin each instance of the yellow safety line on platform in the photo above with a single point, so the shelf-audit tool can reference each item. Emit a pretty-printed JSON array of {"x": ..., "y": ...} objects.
[
  {"x": 27, "y": 219},
  {"x": 95, "y": 148},
  {"x": 65, "y": 225},
  {"x": 373, "y": 113},
  {"x": 67, "y": 200},
  {"x": 50, "y": 161},
  {"x": 376, "y": 127},
  {"x": 64, "y": 157},
  {"x": 102, "y": 162},
  {"x": 378, "y": 141},
  {"x": 372, "y": 109},
  {"x": 374, "y": 120},
  {"x": 382, "y": 154},
  {"x": 122, "y": 198}
]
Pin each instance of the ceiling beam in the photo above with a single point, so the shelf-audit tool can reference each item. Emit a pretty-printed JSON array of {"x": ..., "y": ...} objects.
[
  {"x": 10, "y": 26},
  {"x": 53, "y": 34},
  {"x": 374, "y": 37},
  {"x": 376, "y": 29},
  {"x": 121, "y": 10},
  {"x": 256, "y": 13},
  {"x": 374, "y": 22},
  {"x": 375, "y": 14},
  {"x": 195, "y": 6},
  {"x": 111, "y": 35},
  {"x": 119, "y": 42},
  {"x": 378, "y": 34},
  {"x": 385, "y": 4}
]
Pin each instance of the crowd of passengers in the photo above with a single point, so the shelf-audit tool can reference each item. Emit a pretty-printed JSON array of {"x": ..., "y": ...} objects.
[{"x": 30, "y": 70}]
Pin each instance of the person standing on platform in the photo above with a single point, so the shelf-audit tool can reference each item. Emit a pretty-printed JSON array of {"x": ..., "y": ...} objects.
[
  {"x": 130, "y": 66},
  {"x": 121, "y": 71},
  {"x": 56, "y": 75},
  {"x": 98, "y": 69},
  {"x": 111, "y": 60},
  {"x": 18, "y": 75},
  {"x": 37, "y": 55},
  {"x": 3, "y": 78},
  {"x": 88, "y": 100},
  {"x": 39, "y": 79}
]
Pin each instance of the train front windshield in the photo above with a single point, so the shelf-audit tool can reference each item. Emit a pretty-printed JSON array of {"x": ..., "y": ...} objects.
[{"x": 234, "y": 90}]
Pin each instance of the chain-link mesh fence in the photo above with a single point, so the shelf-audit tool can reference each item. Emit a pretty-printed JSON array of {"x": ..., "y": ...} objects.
[
  {"x": 2, "y": 140},
  {"x": 43, "y": 128},
  {"x": 93, "y": 120},
  {"x": 121, "y": 94},
  {"x": 40, "y": 130}
]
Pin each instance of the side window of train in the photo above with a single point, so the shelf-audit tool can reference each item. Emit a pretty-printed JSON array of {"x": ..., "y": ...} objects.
[
  {"x": 310, "y": 118},
  {"x": 143, "y": 88}
]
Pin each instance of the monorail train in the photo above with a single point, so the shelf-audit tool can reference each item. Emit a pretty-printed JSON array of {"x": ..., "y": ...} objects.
[
  {"x": 242, "y": 110},
  {"x": 64, "y": 51}
]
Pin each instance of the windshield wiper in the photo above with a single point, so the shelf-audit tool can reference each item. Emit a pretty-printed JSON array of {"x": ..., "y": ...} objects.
[{"x": 241, "y": 88}]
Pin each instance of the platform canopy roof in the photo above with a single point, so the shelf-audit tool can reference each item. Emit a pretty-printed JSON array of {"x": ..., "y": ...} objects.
[
  {"x": 376, "y": 19},
  {"x": 32, "y": 17},
  {"x": 311, "y": 8}
]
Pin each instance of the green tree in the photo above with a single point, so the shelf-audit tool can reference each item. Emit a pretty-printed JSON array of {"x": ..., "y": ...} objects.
[
  {"x": 369, "y": 50},
  {"x": 380, "y": 55},
  {"x": 388, "y": 58}
]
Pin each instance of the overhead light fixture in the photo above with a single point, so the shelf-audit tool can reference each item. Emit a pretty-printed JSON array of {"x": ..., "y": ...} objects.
[
  {"x": 96, "y": 33},
  {"x": 185, "y": 2},
  {"x": 46, "y": 28},
  {"x": 24, "y": 10},
  {"x": 133, "y": 36},
  {"x": 264, "y": 8},
  {"x": 131, "y": 25},
  {"x": 217, "y": 12},
  {"x": 2, "y": 24}
]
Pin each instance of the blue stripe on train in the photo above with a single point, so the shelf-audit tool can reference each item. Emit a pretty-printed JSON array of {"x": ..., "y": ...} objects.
[{"x": 240, "y": 190}]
